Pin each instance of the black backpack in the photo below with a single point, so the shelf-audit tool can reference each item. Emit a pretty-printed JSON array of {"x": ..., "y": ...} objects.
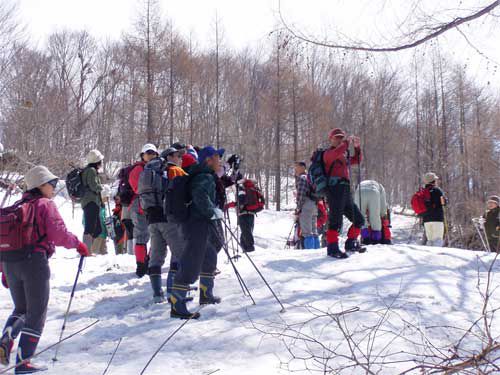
[
  {"x": 178, "y": 199},
  {"x": 317, "y": 176},
  {"x": 125, "y": 191},
  {"x": 74, "y": 184}
]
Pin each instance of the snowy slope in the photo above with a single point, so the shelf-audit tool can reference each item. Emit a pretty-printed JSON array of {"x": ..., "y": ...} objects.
[{"x": 426, "y": 286}]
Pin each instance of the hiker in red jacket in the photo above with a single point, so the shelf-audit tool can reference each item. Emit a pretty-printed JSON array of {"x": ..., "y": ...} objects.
[
  {"x": 337, "y": 160},
  {"x": 141, "y": 232},
  {"x": 27, "y": 273}
]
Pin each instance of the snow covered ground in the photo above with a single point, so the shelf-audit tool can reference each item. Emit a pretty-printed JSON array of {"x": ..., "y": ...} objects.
[{"x": 423, "y": 287}]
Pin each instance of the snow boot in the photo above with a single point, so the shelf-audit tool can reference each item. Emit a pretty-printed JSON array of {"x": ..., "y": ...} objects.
[
  {"x": 309, "y": 242},
  {"x": 26, "y": 349},
  {"x": 206, "y": 290},
  {"x": 353, "y": 245},
  {"x": 11, "y": 330},
  {"x": 317, "y": 243},
  {"x": 376, "y": 237},
  {"x": 155, "y": 279},
  {"x": 178, "y": 301},
  {"x": 5, "y": 350},
  {"x": 365, "y": 236},
  {"x": 333, "y": 251},
  {"x": 170, "y": 278}
]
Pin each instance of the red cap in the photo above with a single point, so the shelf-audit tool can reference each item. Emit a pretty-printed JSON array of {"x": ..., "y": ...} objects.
[
  {"x": 188, "y": 160},
  {"x": 337, "y": 132}
]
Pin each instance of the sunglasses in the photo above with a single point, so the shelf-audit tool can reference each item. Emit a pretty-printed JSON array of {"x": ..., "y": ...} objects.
[
  {"x": 53, "y": 183},
  {"x": 151, "y": 152}
]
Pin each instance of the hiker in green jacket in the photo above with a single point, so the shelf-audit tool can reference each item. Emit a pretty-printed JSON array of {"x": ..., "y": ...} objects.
[{"x": 91, "y": 201}]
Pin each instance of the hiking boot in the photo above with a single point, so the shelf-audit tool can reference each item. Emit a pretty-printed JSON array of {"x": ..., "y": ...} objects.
[
  {"x": 333, "y": 251},
  {"x": 26, "y": 349},
  {"x": 10, "y": 332},
  {"x": 206, "y": 290},
  {"x": 354, "y": 246},
  {"x": 170, "y": 281},
  {"x": 309, "y": 242},
  {"x": 159, "y": 299},
  {"x": 5, "y": 350},
  {"x": 141, "y": 270},
  {"x": 317, "y": 242},
  {"x": 376, "y": 237},
  {"x": 178, "y": 301},
  {"x": 29, "y": 368}
]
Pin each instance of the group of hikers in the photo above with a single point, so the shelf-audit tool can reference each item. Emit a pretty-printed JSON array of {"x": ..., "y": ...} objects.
[{"x": 176, "y": 199}]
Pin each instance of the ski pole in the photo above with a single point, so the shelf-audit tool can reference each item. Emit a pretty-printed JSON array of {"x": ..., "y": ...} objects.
[
  {"x": 287, "y": 246},
  {"x": 23, "y": 362},
  {"x": 478, "y": 231},
  {"x": 168, "y": 339},
  {"x": 80, "y": 265},
  {"x": 258, "y": 271},
  {"x": 112, "y": 356},
  {"x": 242, "y": 283}
]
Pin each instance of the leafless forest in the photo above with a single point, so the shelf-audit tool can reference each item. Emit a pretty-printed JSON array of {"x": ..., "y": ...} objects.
[{"x": 272, "y": 105}]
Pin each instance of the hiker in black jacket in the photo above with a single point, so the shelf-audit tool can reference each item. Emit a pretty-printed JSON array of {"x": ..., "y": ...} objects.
[{"x": 434, "y": 217}]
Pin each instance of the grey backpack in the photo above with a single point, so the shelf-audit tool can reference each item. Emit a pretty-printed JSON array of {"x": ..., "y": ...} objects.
[{"x": 152, "y": 184}]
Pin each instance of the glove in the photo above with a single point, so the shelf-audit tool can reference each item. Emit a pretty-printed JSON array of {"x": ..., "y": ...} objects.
[
  {"x": 4, "y": 281},
  {"x": 82, "y": 249},
  {"x": 218, "y": 214}
]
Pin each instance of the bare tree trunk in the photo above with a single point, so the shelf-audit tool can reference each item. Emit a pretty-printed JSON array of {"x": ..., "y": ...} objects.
[{"x": 277, "y": 192}]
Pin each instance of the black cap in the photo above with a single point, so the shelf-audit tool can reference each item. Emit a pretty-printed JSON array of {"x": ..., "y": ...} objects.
[
  {"x": 169, "y": 151},
  {"x": 178, "y": 146},
  {"x": 301, "y": 163}
]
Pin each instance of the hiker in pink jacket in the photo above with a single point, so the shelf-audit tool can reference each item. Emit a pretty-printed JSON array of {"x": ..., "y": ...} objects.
[{"x": 27, "y": 272}]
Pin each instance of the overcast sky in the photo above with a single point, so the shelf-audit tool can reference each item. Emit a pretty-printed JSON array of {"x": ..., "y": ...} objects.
[{"x": 248, "y": 22}]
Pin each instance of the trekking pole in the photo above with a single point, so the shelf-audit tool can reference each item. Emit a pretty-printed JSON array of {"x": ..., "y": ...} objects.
[
  {"x": 478, "y": 223},
  {"x": 168, "y": 339},
  {"x": 244, "y": 288},
  {"x": 80, "y": 265},
  {"x": 26, "y": 360},
  {"x": 478, "y": 231},
  {"x": 112, "y": 356},
  {"x": 287, "y": 243},
  {"x": 226, "y": 217},
  {"x": 258, "y": 271}
]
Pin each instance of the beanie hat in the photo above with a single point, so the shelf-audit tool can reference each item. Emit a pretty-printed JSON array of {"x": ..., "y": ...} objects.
[
  {"x": 188, "y": 160},
  {"x": 494, "y": 199},
  {"x": 149, "y": 147},
  {"x": 191, "y": 150},
  {"x": 337, "y": 132},
  {"x": 37, "y": 176},
  {"x": 94, "y": 156},
  {"x": 430, "y": 177}
]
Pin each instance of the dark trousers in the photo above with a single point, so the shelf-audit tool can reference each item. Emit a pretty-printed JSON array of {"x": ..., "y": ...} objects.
[
  {"x": 197, "y": 255},
  {"x": 92, "y": 219},
  {"x": 129, "y": 228},
  {"x": 246, "y": 223},
  {"x": 30, "y": 288},
  {"x": 340, "y": 203}
]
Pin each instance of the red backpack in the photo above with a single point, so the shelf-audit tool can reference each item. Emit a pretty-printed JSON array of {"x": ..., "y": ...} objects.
[
  {"x": 419, "y": 199},
  {"x": 254, "y": 200},
  {"x": 18, "y": 230}
]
